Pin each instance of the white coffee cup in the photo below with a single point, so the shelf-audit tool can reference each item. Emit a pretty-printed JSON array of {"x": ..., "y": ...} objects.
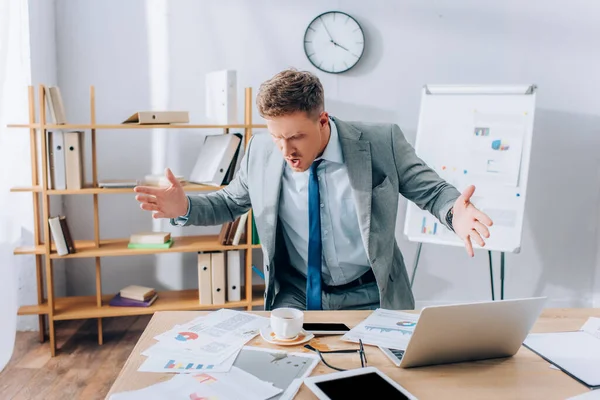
[{"x": 286, "y": 323}]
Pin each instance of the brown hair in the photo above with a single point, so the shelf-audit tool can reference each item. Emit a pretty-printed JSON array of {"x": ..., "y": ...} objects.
[{"x": 290, "y": 91}]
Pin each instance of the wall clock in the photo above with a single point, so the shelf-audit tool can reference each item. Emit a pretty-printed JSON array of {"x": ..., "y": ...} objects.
[{"x": 334, "y": 42}]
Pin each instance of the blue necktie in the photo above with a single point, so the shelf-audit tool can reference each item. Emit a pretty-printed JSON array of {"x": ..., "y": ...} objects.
[{"x": 313, "y": 276}]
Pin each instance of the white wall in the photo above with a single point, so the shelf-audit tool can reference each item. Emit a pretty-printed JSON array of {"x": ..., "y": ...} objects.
[
  {"x": 409, "y": 43},
  {"x": 32, "y": 61}
]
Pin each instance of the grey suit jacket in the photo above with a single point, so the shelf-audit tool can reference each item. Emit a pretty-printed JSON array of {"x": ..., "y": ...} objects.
[{"x": 381, "y": 165}]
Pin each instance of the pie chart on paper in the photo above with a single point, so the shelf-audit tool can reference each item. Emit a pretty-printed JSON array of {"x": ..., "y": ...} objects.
[{"x": 185, "y": 336}]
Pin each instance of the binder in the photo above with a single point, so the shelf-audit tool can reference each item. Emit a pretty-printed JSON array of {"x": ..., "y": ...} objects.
[
  {"x": 221, "y": 97},
  {"x": 158, "y": 117},
  {"x": 56, "y": 160},
  {"x": 214, "y": 159},
  {"x": 204, "y": 279},
  {"x": 218, "y": 277},
  {"x": 74, "y": 159},
  {"x": 234, "y": 275}
]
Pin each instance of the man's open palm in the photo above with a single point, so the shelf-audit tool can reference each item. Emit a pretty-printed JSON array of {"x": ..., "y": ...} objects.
[
  {"x": 468, "y": 222},
  {"x": 164, "y": 202}
]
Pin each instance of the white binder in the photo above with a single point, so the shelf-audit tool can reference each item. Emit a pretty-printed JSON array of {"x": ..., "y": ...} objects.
[
  {"x": 56, "y": 160},
  {"x": 74, "y": 159},
  {"x": 213, "y": 161},
  {"x": 234, "y": 275},
  {"x": 218, "y": 277},
  {"x": 204, "y": 279},
  {"x": 221, "y": 97}
]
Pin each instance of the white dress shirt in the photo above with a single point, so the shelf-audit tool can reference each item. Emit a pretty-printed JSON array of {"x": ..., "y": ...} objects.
[{"x": 344, "y": 257}]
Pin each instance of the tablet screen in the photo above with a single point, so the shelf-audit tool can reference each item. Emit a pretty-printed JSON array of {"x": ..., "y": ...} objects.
[{"x": 360, "y": 386}]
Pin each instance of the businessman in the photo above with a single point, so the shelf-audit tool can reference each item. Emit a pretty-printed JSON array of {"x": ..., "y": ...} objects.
[{"x": 324, "y": 194}]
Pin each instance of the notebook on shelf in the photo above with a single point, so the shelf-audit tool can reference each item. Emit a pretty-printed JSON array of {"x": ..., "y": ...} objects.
[
  {"x": 139, "y": 293},
  {"x": 120, "y": 301}
]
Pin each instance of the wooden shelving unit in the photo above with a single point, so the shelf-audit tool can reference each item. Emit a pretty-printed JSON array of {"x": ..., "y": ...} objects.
[{"x": 96, "y": 306}]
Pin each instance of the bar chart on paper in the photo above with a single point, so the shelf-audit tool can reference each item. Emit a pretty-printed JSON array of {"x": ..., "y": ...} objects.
[{"x": 481, "y": 136}]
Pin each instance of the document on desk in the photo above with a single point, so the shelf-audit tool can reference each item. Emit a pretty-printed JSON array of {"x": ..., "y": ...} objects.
[
  {"x": 386, "y": 328},
  {"x": 215, "y": 337},
  {"x": 234, "y": 385},
  {"x": 575, "y": 353}
]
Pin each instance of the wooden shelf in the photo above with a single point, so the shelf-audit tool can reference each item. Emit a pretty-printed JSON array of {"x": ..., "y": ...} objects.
[
  {"x": 118, "y": 247},
  {"x": 66, "y": 308},
  {"x": 134, "y": 126},
  {"x": 82, "y": 307},
  {"x": 26, "y": 189},
  {"x": 255, "y": 246},
  {"x": 24, "y": 250},
  {"x": 188, "y": 187},
  {"x": 37, "y": 309}
]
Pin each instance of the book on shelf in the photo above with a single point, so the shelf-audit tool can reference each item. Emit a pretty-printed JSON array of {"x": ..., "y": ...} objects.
[
  {"x": 120, "y": 301},
  {"x": 150, "y": 237},
  {"x": 158, "y": 117},
  {"x": 61, "y": 235},
  {"x": 255, "y": 239},
  {"x": 165, "y": 245},
  {"x": 136, "y": 292}
]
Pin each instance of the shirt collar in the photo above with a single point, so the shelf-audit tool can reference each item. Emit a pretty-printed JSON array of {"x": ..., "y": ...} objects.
[{"x": 333, "y": 150}]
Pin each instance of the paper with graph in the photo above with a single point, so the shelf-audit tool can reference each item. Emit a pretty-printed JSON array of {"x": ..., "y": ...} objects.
[
  {"x": 234, "y": 385},
  {"x": 386, "y": 328},
  {"x": 213, "y": 338},
  {"x": 479, "y": 136}
]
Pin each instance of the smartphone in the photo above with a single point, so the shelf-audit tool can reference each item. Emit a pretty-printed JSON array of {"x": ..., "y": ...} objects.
[{"x": 325, "y": 328}]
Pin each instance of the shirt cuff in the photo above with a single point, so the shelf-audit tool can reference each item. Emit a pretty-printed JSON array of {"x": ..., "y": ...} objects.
[{"x": 181, "y": 221}]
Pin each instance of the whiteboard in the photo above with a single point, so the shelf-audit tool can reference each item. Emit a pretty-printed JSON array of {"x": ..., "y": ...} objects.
[{"x": 477, "y": 135}]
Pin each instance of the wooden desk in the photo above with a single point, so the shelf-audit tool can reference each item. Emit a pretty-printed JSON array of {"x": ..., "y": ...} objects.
[{"x": 524, "y": 376}]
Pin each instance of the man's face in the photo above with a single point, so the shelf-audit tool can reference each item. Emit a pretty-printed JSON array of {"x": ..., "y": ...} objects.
[{"x": 299, "y": 137}]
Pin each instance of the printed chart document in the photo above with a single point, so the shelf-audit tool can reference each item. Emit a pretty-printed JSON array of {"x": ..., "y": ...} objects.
[
  {"x": 233, "y": 385},
  {"x": 216, "y": 336},
  {"x": 385, "y": 328},
  {"x": 577, "y": 353}
]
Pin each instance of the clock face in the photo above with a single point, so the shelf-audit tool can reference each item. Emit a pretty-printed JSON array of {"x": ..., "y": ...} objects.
[{"x": 334, "y": 42}]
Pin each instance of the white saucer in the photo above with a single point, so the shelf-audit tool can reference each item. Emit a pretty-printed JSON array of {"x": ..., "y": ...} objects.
[{"x": 269, "y": 336}]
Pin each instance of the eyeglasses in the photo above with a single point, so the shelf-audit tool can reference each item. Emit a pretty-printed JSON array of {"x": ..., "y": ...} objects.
[{"x": 360, "y": 351}]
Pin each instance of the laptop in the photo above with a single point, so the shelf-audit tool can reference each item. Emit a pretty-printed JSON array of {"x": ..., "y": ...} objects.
[{"x": 468, "y": 332}]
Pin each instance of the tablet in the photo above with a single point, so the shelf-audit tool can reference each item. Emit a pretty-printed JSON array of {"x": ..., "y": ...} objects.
[{"x": 356, "y": 383}]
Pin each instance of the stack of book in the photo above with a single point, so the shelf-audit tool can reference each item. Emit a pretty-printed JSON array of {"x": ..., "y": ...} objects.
[
  {"x": 134, "y": 296},
  {"x": 150, "y": 240}
]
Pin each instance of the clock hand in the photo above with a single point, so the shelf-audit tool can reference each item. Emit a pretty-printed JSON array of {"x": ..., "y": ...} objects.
[
  {"x": 327, "y": 30},
  {"x": 339, "y": 45}
]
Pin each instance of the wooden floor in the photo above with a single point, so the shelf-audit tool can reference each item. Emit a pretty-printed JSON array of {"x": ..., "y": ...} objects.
[{"x": 82, "y": 369}]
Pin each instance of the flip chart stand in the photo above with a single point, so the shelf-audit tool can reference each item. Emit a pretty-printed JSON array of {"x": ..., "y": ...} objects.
[{"x": 418, "y": 255}]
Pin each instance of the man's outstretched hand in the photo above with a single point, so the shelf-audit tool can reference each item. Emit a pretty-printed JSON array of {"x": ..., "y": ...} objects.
[
  {"x": 164, "y": 202},
  {"x": 468, "y": 222}
]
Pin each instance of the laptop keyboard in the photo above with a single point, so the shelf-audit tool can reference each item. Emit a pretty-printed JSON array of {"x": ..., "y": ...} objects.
[{"x": 398, "y": 353}]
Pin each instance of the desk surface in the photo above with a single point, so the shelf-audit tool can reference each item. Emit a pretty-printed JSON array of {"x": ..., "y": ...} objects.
[{"x": 524, "y": 376}]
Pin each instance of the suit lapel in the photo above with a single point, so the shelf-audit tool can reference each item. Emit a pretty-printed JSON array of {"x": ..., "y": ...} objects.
[
  {"x": 357, "y": 157},
  {"x": 272, "y": 189}
]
